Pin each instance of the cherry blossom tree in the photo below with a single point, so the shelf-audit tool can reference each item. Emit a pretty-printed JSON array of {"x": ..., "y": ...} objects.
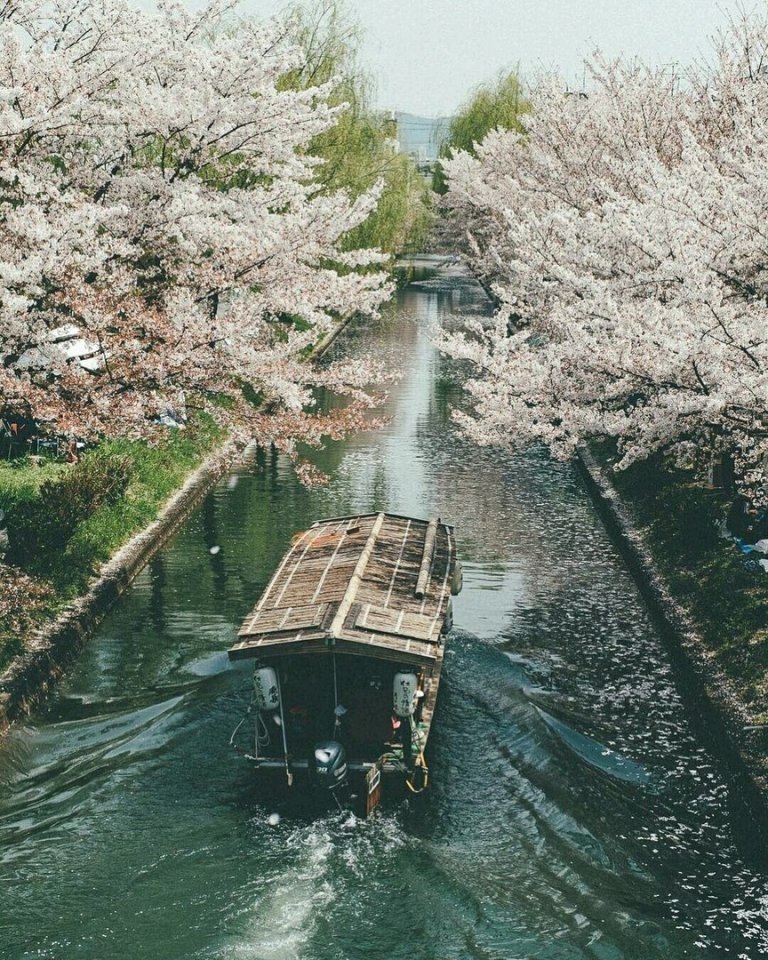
[
  {"x": 624, "y": 233},
  {"x": 157, "y": 197}
]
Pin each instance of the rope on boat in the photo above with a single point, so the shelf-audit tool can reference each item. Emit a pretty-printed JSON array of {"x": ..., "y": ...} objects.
[
  {"x": 423, "y": 766},
  {"x": 336, "y": 717},
  {"x": 420, "y": 763},
  {"x": 260, "y": 738},
  {"x": 234, "y": 732},
  {"x": 288, "y": 771}
]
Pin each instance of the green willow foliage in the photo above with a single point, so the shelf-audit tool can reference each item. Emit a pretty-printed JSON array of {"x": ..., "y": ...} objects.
[
  {"x": 359, "y": 151},
  {"x": 497, "y": 105}
]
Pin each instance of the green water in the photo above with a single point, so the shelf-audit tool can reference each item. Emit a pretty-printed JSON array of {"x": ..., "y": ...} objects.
[{"x": 579, "y": 806}]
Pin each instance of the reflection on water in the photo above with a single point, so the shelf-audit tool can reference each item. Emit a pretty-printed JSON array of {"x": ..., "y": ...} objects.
[{"x": 576, "y": 810}]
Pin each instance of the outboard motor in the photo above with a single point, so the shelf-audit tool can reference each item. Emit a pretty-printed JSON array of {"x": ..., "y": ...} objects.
[{"x": 327, "y": 766}]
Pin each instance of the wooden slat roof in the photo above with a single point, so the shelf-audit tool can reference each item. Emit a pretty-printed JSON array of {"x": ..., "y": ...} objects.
[{"x": 351, "y": 583}]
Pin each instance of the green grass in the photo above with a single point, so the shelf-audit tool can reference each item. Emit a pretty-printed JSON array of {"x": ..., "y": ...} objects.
[
  {"x": 728, "y": 603},
  {"x": 155, "y": 472},
  {"x": 21, "y": 479}
]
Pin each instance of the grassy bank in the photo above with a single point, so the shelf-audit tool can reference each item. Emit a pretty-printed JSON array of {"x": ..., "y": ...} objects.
[
  {"x": 728, "y": 602},
  {"x": 65, "y": 520}
]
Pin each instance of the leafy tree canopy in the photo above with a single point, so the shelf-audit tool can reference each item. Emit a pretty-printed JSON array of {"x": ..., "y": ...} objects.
[
  {"x": 359, "y": 151},
  {"x": 500, "y": 104}
]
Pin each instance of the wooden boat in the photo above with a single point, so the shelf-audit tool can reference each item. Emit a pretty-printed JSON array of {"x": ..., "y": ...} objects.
[{"x": 349, "y": 640}]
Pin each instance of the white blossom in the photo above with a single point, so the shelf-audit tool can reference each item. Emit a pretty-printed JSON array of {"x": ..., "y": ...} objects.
[
  {"x": 626, "y": 238},
  {"x": 155, "y": 191}
]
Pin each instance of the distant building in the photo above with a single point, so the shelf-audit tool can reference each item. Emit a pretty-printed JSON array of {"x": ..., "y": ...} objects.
[{"x": 420, "y": 137}]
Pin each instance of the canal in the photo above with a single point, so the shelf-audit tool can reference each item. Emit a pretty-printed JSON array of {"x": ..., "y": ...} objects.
[{"x": 578, "y": 810}]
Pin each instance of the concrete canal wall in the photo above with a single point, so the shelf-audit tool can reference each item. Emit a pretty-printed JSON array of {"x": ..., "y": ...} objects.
[{"x": 743, "y": 742}]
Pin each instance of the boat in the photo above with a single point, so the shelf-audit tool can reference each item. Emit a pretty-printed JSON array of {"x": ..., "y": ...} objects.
[{"x": 348, "y": 642}]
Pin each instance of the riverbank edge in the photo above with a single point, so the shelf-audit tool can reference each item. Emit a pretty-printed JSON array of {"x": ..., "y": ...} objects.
[
  {"x": 30, "y": 676},
  {"x": 27, "y": 681},
  {"x": 720, "y": 697}
]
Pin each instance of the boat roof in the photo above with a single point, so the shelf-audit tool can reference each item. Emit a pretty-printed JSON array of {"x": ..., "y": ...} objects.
[{"x": 376, "y": 585}]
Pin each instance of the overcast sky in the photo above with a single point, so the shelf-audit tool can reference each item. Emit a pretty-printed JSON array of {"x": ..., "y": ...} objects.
[{"x": 426, "y": 55}]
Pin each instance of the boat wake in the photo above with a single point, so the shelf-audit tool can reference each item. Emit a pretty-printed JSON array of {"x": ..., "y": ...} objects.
[
  {"x": 594, "y": 753},
  {"x": 73, "y": 758},
  {"x": 314, "y": 874}
]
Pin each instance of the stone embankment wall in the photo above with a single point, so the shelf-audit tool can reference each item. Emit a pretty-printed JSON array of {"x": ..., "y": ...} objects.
[{"x": 742, "y": 743}]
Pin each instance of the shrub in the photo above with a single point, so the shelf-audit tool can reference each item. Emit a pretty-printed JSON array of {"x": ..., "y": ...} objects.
[
  {"x": 688, "y": 515},
  {"x": 41, "y": 527}
]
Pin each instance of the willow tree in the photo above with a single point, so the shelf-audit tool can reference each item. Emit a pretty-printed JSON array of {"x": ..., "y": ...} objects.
[
  {"x": 500, "y": 104},
  {"x": 359, "y": 152}
]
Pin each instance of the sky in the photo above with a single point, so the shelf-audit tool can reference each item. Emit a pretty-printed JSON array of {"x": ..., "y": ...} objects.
[{"x": 426, "y": 56}]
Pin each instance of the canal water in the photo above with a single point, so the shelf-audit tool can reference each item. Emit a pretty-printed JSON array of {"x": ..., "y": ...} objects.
[{"x": 579, "y": 808}]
